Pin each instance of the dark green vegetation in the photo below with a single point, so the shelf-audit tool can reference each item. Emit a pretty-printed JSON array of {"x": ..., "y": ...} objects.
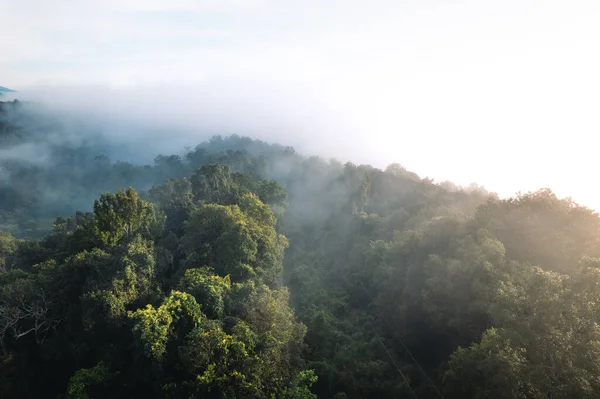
[{"x": 245, "y": 270}]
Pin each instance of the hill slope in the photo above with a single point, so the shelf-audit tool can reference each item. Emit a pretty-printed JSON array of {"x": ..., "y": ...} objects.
[{"x": 400, "y": 287}]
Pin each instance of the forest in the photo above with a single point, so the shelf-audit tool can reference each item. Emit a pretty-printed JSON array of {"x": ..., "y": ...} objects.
[{"x": 243, "y": 269}]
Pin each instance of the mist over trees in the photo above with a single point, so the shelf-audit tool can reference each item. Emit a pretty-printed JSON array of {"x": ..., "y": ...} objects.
[{"x": 242, "y": 269}]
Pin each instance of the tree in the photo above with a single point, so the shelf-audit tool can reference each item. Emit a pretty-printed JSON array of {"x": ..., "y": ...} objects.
[
  {"x": 25, "y": 309},
  {"x": 212, "y": 183},
  {"x": 127, "y": 281},
  {"x": 8, "y": 246},
  {"x": 208, "y": 289},
  {"x": 220, "y": 237},
  {"x": 549, "y": 343},
  {"x": 490, "y": 369},
  {"x": 90, "y": 383},
  {"x": 237, "y": 240},
  {"x": 175, "y": 198},
  {"x": 542, "y": 229},
  {"x": 121, "y": 216}
]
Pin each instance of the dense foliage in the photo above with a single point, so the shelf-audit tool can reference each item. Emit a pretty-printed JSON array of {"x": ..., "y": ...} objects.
[{"x": 243, "y": 269}]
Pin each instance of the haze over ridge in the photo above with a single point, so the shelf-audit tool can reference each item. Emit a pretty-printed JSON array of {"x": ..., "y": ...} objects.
[{"x": 502, "y": 94}]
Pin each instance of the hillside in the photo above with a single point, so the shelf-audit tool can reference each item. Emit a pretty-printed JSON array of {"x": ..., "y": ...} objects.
[{"x": 244, "y": 269}]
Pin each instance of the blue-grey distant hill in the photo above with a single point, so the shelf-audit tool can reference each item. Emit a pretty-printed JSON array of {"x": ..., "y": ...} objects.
[{"x": 6, "y": 90}]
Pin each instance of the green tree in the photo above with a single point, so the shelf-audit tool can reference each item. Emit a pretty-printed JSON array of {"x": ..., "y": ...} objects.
[
  {"x": 549, "y": 320},
  {"x": 212, "y": 183},
  {"x": 121, "y": 216},
  {"x": 208, "y": 289},
  {"x": 90, "y": 383},
  {"x": 8, "y": 246},
  {"x": 240, "y": 241},
  {"x": 490, "y": 369}
]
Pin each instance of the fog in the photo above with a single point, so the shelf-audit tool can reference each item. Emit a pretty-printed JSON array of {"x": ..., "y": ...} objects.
[
  {"x": 498, "y": 94},
  {"x": 137, "y": 123},
  {"x": 154, "y": 120}
]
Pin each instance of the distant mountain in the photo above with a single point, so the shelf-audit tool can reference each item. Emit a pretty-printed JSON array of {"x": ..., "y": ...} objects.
[{"x": 6, "y": 90}]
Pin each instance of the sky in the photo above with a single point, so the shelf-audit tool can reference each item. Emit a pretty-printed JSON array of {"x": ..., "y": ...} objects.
[{"x": 502, "y": 93}]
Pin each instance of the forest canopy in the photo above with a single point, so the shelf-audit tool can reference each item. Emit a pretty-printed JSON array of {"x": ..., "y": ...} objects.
[{"x": 242, "y": 269}]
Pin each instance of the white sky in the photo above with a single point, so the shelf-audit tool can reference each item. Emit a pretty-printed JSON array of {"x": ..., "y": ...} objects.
[{"x": 502, "y": 93}]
